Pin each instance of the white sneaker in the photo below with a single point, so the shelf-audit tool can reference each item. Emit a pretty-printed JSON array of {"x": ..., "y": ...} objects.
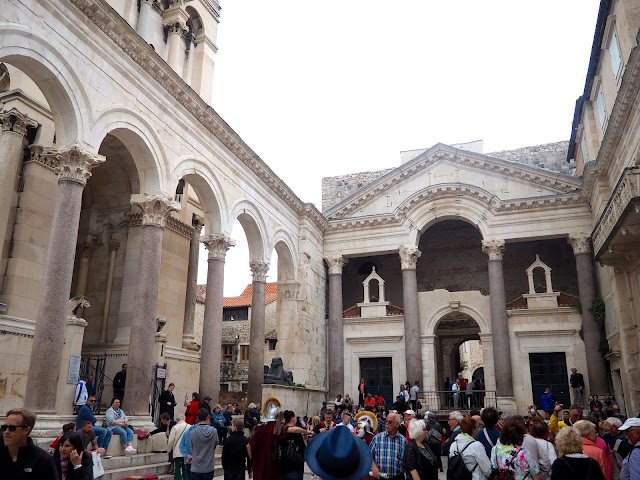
[{"x": 130, "y": 450}]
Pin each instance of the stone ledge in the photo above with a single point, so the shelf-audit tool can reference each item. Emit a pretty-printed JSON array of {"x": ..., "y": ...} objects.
[{"x": 17, "y": 326}]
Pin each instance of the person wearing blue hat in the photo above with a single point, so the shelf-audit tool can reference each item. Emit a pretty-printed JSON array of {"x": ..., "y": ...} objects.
[{"x": 338, "y": 455}]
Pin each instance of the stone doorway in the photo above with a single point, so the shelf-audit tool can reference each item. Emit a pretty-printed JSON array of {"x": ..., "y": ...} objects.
[{"x": 378, "y": 375}]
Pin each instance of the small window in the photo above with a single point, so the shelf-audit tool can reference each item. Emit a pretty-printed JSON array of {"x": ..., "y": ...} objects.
[
  {"x": 232, "y": 314},
  {"x": 272, "y": 344},
  {"x": 244, "y": 353},
  {"x": 600, "y": 106},
  {"x": 614, "y": 53},
  {"x": 224, "y": 387},
  {"x": 245, "y": 387},
  {"x": 227, "y": 353},
  {"x": 585, "y": 153}
]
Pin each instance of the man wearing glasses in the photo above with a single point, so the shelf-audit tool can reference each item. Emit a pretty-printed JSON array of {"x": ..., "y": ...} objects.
[
  {"x": 86, "y": 413},
  {"x": 19, "y": 456},
  {"x": 631, "y": 464}
]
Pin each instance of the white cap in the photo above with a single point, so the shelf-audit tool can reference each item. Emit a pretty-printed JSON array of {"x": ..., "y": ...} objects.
[{"x": 631, "y": 422}]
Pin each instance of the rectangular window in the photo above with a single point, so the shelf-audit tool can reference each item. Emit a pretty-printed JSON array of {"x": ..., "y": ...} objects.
[
  {"x": 224, "y": 387},
  {"x": 232, "y": 314},
  {"x": 585, "y": 153},
  {"x": 244, "y": 353},
  {"x": 245, "y": 387},
  {"x": 600, "y": 106},
  {"x": 614, "y": 53},
  {"x": 227, "y": 353},
  {"x": 272, "y": 344}
]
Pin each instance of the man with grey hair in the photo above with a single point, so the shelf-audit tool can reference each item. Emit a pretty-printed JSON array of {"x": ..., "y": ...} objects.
[
  {"x": 387, "y": 449},
  {"x": 631, "y": 464},
  {"x": 577, "y": 386},
  {"x": 618, "y": 444},
  {"x": 590, "y": 449},
  {"x": 455, "y": 418}
]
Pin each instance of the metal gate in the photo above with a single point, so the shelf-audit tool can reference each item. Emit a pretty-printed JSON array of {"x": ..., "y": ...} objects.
[
  {"x": 157, "y": 387},
  {"x": 94, "y": 366}
]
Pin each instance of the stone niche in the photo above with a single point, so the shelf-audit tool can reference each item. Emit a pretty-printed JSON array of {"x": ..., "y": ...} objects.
[
  {"x": 547, "y": 299},
  {"x": 373, "y": 307}
]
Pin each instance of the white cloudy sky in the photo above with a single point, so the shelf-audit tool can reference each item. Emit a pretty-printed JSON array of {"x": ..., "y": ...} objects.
[{"x": 326, "y": 88}]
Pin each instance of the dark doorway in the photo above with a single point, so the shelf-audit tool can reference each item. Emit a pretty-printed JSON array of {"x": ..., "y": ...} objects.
[
  {"x": 378, "y": 376},
  {"x": 550, "y": 370}
]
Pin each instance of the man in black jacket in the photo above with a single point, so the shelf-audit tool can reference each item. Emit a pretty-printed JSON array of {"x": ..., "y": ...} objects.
[
  {"x": 167, "y": 401},
  {"x": 119, "y": 382},
  {"x": 20, "y": 458},
  {"x": 234, "y": 453}
]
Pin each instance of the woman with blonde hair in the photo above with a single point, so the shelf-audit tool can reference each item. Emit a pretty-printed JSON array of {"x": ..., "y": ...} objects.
[{"x": 573, "y": 464}]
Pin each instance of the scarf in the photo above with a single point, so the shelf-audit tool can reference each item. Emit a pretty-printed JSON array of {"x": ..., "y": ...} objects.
[{"x": 65, "y": 468}]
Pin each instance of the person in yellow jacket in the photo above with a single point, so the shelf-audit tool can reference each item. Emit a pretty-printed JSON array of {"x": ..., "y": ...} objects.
[{"x": 575, "y": 415}]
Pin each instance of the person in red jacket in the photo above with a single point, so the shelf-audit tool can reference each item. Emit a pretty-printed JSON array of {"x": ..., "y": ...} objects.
[
  {"x": 192, "y": 408},
  {"x": 369, "y": 402}
]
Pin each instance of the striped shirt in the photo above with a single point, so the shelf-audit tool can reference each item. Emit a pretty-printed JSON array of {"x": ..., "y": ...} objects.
[{"x": 388, "y": 453}]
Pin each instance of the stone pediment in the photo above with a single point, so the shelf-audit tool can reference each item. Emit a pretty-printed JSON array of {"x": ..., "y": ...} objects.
[{"x": 444, "y": 170}]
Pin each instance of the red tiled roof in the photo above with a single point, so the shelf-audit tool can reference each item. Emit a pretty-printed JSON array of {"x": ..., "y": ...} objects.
[
  {"x": 354, "y": 311},
  {"x": 520, "y": 303},
  {"x": 272, "y": 335},
  {"x": 269, "y": 288},
  {"x": 244, "y": 300}
]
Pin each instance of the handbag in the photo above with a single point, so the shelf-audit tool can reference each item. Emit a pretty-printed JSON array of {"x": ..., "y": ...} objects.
[{"x": 98, "y": 468}]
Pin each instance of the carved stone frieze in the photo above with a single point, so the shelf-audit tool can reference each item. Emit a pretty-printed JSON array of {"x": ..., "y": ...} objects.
[
  {"x": 14, "y": 121},
  {"x": 409, "y": 257},
  {"x": 259, "y": 270},
  {"x": 580, "y": 242},
  {"x": 493, "y": 248},
  {"x": 180, "y": 227},
  {"x": 336, "y": 263},
  {"x": 155, "y": 207},
  {"x": 217, "y": 245},
  {"x": 73, "y": 163}
]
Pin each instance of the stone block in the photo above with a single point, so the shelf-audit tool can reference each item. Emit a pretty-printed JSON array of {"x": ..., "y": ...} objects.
[
  {"x": 116, "y": 449},
  {"x": 159, "y": 442}
]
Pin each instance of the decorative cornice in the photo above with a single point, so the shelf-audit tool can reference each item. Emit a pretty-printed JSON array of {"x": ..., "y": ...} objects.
[
  {"x": 336, "y": 263},
  {"x": 73, "y": 163},
  {"x": 179, "y": 227},
  {"x": 123, "y": 35},
  {"x": 580, "y": 242},
  {"x": 409, "y": 257},
  {"x": 259, "y": 270},
  {"x": 218, "y": 244},
  {"x": 14, "y": 121},
  {"x": 155, "y": 207},
  {"x": 493, "y": 248}
]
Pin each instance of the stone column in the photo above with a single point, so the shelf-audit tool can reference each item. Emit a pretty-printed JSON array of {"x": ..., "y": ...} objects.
[
  {"x": 188, "y": 339},
  {"x": 211, "y": 353},
  {"x": 155, "y": 211},
  {"x": 12, "y": 142},
  {"x": 259, "y": 271},
  {"x": 86, "y": 252},
  {"x": 597, "y": 374},
  {"x": 176, "y": 30},
  {"x": 73, "y": 165},
  {"x": 336, "y": 328},
  {"x": 499, "y": 324},
  {"x": 114, "y": 245},
  {"x": 413, "y": 345},
  {"x": 144, "y": 18}
]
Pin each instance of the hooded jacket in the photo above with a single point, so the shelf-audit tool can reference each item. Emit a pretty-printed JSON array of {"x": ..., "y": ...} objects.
[{"x": 203, "y": 445}]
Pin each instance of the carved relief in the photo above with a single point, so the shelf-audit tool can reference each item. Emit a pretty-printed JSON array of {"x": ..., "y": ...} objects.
[
  {"x": 73, "y": 163},
  {"x": 336, "y": 263},
  {"x": 259, "y": 270},
  {"x": 493, "y": 248},
  {"x": 218, "y": 244},
  {"x": 155, "y": 207},
  {"x": 580, "y": 243},
  {"x": 14, "y": 121},
  {"x": 409, "y": 257}
]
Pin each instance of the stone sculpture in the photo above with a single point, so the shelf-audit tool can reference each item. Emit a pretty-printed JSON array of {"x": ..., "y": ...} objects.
[{"x": 276, "y": 374}]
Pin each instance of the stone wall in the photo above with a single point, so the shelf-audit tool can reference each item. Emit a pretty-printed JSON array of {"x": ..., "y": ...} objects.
[
  {"x": 302, "y": 401},
  {"x": 335, "y": 189},
  {"x": 552, "y": 156}
]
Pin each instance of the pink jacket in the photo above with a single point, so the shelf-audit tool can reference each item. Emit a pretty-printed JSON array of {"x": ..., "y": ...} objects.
[{"x": 590, "y": 449}]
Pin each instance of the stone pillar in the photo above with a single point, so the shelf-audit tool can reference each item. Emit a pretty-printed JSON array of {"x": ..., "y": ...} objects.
[
  {"x": 12, "y": 142},
  {"x": 336, "y": 328},
  {"x": 176, "y": 31},
  {"x": 155, "y": 211},
  {"x": 188, "y": 339},
  {"x": 412, "y": 340},
  {"x": 597, "y": 374},
  {"x": 73, "y": 165},
  {"x": 73, "y": 336},
  {"x": 259, "y": 271},
  {"x": 499, "y": 324},
  {"x": 114, "y": 245},
  {"x": 211, "y": 353},
  {"x": 188, "y": 68},
  {"x": 144, "y": 19},
  {"x": 86, "y": 252}
]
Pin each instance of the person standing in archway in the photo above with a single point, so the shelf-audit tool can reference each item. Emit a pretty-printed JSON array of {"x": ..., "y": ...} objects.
[{"x": 362, "y": 392}]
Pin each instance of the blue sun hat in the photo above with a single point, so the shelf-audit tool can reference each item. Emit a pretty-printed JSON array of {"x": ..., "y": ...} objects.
[{"x": 338, "y": 455}]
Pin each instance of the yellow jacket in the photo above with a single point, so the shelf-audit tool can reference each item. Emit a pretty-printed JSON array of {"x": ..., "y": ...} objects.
[{"x": 555, "y": 425}]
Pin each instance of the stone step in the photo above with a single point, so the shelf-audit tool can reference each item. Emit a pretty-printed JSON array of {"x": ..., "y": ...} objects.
[
  {"x": 134, "y": 460},
  {"x": 125, "y": 472},
  {"x": 119, "y": 468}
]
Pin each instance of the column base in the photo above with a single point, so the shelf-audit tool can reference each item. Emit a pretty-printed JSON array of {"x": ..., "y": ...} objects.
[
  {"x": 189, "y": 342},
  {"x": 507, "y": 404},
  {"x": 3, "y": 308},
  {"x": 142, "y": 422},
  {"x": 49, "y": 427}
]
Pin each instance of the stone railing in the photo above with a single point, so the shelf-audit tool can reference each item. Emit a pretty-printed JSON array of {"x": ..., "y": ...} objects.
[{"x": 627, "y": 189}]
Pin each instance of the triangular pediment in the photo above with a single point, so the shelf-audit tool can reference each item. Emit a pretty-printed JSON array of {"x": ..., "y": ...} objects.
[{"x": 460, "y": 171}]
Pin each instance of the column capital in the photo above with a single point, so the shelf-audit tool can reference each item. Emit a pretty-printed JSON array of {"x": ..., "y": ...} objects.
[
  {"x": 259, "y": 270},
  {"x": 336, "y": 262},
  {"x": 155, "y": 207},
  {"x": 580, "y": 242},
  {"x": 217, "y": 244},
  {"x": 73, "y": 163},
  {"x": 14, "y": 121},
  {"x": 493, "y": 248},
  {"x": 197, "y": 222},
  {"x": 409, "y": 257},
  {"x": 87, "y": 248}
]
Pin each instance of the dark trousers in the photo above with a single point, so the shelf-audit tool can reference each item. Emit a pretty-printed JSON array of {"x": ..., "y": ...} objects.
[
  {"x": 202, "y": 476},
  {"x": 234, "y": 475}
]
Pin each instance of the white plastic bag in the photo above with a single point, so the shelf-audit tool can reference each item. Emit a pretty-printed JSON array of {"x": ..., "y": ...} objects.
[{"x": 98, "y": 469}]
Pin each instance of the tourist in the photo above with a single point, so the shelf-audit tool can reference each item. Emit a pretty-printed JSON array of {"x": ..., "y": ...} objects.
[
  {"x": 206, "y": 404},
  {"x": 236, "y": 409},
  {"x": 454, "y": 420},
  {"x": 455, "y": 392},
  {"x": 119, "y": 382},
  {"x": 545, "y": 454},
  {"x": 71, "y": 461},
  {"x": 420, "y": 462},
  {"x": 413, "y": 395},
  {"x": 251, "y": 417},
  {"x": 403, "y": 428},
  {"x": 173, "y": 447},
  {"x": 546, "y": 401},
  {"x": 510, "y": 455},
  {"x": 326, "y": 424},
  {"x": 167, "y": 401},
  {"x": 89, "y": 439},
  {"x": 315, "y": 421},
  {"x": 400, "y": 405},
  {"x": 66, "y": 428},
  {"x": 362, "y": 392},
  {"x": 469, "y": 400},
  {"x": 589, "y": 447},
  {"x": 91, "y": 389},
  {"x": 235, "y": 457},
  {"x": 346, "y": 421},
  {"x": 217, "y": 421},
  {"x": 594, "y": 402},
  {"x": 631, "y": 464},
  {"x": 434, "y": 436},
  {"x": 118, "y": 423},
  {"x": 86, "y": 413},
  {"x": 571, "y": 463},
  {"x": 621, "y": 447},
  {"x": 192, "y": 408},
  {"x": 576, "y": 380},
  {"x": 293, "y": 447},
  {"x": 203, "y": 441},
  {"x": 338, "y": 402},
  {"x": 369, "y": 402},
  {"x": 607, "y": 403},
  {"x": 81, "y": 395},
  {"x": 166, "y": 424},
  {"x": 228, "y": 418},
  {"x": 19, "y": 454},
  {"x": 387, "y": 449},
  {"x": 575, "y": 415},
  {"x": 472, "y": 452},
  {"x": 348, "y": 402}
]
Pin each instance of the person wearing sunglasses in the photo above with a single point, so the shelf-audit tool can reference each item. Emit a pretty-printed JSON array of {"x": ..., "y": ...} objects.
[{"x": 19, "y": 456}]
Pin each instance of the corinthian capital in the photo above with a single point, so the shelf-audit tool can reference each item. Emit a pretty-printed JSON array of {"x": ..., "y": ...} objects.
[
  {"x": 580, "y": 242},
  {"x": 155, "y": 207},
  {"x": 14, "y": 121},
  {"x": 493, "y": 248},
  {"x": 259, "y": 270},
  {"x": 336, "y": 263},
  {"x": 73, "y": 163},
  {"x": 408, "y": 257},
  {"x": 217, "y": 244}
]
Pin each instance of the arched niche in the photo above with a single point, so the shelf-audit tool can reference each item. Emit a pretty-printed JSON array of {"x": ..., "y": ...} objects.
[{"x": 254, "y": 228}]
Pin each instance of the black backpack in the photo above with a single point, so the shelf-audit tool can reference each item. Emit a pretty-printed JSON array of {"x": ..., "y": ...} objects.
[
  {"x": 290, "y": 454},
  {"x": 457, "y": 470}
]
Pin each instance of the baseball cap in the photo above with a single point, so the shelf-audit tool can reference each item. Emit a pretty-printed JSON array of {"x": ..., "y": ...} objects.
[
  {"x": 631, "y": 422},
  {"x": 410, "y": 412}
]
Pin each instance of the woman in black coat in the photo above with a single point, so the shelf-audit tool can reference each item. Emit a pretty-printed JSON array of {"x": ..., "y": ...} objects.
[
  {"x": 419, "y": 460},
  {"x": 573, "y": 464},
  {"x": 71, "y": 459},
  {"x": 167, "y": 401}
]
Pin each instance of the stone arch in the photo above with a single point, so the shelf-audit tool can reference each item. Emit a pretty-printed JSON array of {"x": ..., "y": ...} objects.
[
  {"x": 254, "y": 228},
  {"x": 56, "y": 79},
  {"x": 199, "y": 175},
  {"x": 142, "y": 141},
  {"x": 441, "y": 313},
  {"x": 284, "y": 247},
  {"x": 195, "y": 23}
]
